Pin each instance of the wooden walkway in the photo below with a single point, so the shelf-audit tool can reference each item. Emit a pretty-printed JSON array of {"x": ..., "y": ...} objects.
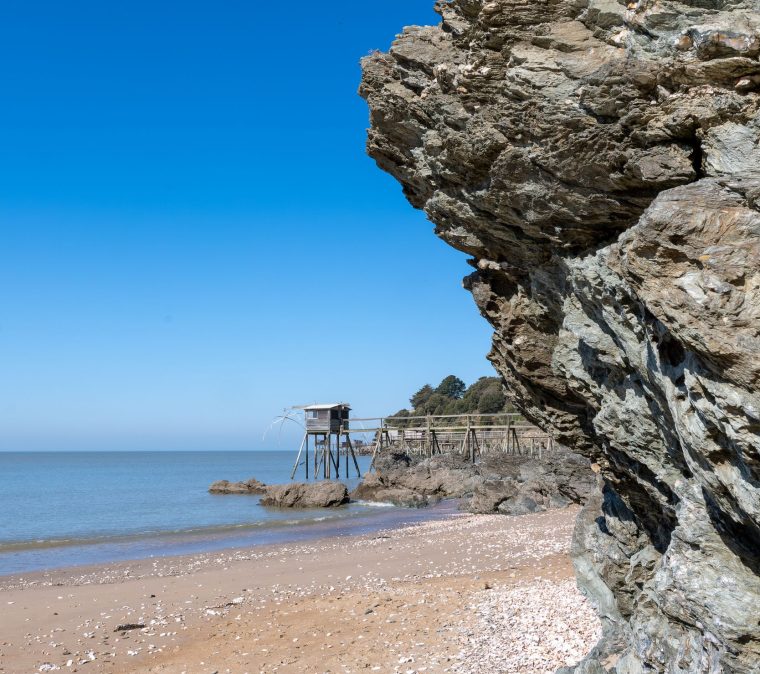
[{"x": 469, "y": 435}]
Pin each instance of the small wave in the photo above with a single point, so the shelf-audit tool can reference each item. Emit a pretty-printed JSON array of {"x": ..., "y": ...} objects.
[
  {"x": 191, "y": 532},
  {"x": 377, "y": 504}
]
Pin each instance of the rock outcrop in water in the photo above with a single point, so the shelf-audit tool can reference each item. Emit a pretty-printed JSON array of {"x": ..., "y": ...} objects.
[
  {"x": 252, "y": 486},
  {"x": 600, "y": 163},
  {"x": 324, "y": 494}
]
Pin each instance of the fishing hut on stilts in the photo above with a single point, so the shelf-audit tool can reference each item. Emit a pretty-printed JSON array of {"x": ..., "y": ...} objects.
[{"x": 327, "y": 435}]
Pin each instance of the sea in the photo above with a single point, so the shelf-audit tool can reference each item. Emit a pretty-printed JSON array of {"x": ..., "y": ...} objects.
[{"x": 63, "y": 509}]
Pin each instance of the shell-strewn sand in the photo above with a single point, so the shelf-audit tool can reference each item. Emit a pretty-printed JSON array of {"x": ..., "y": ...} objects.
[{"x": 468, "y": 594}]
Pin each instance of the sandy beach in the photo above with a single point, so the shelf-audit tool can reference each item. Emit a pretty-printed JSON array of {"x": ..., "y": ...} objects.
[{"x": 469, "y": 593}]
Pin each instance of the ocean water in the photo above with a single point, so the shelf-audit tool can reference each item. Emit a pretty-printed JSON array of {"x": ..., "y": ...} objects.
[{"x": 72, "y": 508}]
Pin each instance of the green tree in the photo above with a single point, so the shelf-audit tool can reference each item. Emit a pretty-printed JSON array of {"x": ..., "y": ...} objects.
[
  {"x": 485, "y": 396},
  {"x": 400, "y": 419},
  {"x": 435, "y": 404},
  {"x": 451, "y": 387},
  {"x": 491, "y": 402},
  {"x": 421, "y": 397}
]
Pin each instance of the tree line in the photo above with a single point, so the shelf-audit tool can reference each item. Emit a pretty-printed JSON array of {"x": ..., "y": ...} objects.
[{"x": 452, "y": 396}]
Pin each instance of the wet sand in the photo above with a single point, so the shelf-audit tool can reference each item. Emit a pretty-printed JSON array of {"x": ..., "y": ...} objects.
[{"x": 468, "y": 593}]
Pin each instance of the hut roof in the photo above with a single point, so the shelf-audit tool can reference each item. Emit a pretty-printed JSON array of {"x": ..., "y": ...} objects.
[{"x": 323, "y": 406}]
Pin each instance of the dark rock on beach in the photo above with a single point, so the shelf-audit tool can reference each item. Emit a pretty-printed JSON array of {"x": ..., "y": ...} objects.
[
  {"x": 491, "y": 494},
  {"x": 522, "y": 485},
  {"x": 306, "y": 495},
  {"x": 513, "y": 485},
  {"x": 400, "y": 480},
  {"x": 252, "y": 486},
  {"x": 600, "y": 163}
]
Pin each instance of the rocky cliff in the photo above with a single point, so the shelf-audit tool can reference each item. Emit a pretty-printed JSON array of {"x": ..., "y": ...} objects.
[{"x": 600, "y": 163}]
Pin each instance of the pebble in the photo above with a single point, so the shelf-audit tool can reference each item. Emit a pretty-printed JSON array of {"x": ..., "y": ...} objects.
[{"x": 534, "y": 628}]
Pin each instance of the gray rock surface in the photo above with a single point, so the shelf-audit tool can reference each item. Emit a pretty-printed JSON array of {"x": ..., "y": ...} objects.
[
  {"x": 252, "y": 486},
  {"x": 521, "y": 485},
  {"x": 324, "y": 494},
  {"x": 512, "y": 485},
  {"x": 600, "y": 163},
  {"x": 398, "y": 480}
]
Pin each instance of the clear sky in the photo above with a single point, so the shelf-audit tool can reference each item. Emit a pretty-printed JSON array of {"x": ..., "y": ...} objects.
[{"x": 191, "y": 235}]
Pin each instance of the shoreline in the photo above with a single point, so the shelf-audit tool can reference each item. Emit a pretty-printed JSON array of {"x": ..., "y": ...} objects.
[
  {"x": 394, "y": 600},
  {"x": 316, "y": 532},
  {"x": 39, "y": 557}
]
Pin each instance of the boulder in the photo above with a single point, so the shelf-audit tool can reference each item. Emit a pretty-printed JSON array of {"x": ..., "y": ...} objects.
[
  {"x": 252, "y": 486},
  {"x": 491, "y": 494},
  {"x": 306, "y": 495},
  {"x": 402, "y": 497}
]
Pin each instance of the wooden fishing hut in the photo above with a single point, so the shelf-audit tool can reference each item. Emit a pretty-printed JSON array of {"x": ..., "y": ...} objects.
[{"x": 327, "y": 434}]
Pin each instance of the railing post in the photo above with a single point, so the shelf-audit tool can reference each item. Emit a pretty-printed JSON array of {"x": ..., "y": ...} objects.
[{"x": 470, "y": 446}]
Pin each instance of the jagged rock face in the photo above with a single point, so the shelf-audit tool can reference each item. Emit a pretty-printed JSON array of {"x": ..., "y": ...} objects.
[
  {"x": 600, "y": 163},
  {"x": 513, "y": 485}
]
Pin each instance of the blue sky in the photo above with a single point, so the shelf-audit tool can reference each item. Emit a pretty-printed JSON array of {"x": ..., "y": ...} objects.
[{"x": 190, "y": 228}]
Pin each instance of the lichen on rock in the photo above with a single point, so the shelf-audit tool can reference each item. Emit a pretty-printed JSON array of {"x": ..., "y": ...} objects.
[{"x": 600, "y": 163}]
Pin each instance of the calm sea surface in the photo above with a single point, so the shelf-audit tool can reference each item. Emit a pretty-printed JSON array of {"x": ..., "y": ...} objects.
[{"x": 70, "y": 508}]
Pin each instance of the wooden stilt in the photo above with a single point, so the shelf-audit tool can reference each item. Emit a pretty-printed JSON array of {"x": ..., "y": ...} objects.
[
  {"x": 334, "y": 460},
  {"x": 318, "y": 467},
  {"x": 474, "y": 446},
  {"x": 298, "y": 459},
  {"x": 378, "y": 445},
  {"x": 353, "y": 456},
  {"x": 337, "y": 453}
]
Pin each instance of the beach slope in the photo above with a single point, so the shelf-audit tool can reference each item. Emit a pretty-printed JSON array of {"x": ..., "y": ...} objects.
[{"x": 470, "y": 593}]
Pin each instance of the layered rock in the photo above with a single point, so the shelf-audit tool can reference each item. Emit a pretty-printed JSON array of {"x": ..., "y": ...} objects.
[
  {"x": 323, "y": 494},
  {"x": 600, "y": 164}
]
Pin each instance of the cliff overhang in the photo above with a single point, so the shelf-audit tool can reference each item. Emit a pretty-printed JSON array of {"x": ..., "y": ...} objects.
[{"x": 600, "y": 164}]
